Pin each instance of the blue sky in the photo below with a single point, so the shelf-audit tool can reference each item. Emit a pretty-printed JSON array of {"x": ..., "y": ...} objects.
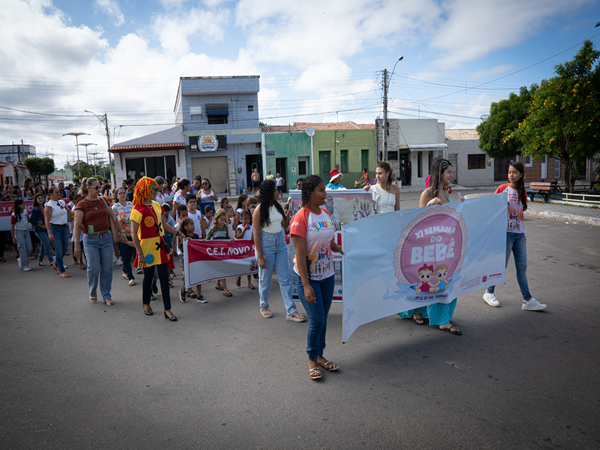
[{"x": 318, "y": 60}]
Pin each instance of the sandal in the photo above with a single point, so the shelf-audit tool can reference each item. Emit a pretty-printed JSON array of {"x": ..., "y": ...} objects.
[
  {"x": 94, "y": 298},
  {"x": 41, "y": 264},
  {"x": 251, "y": 286},
  {"x": 456, "y": 331},
  {"x": 329, "y": 366},
  {"x": 83, "y": 267},
  {"x": 416, "y": 319},
  {"x": 267, "y": 315},
  {"x": 218, "y": 287},
  {"x": 56, "y": 268},
  {"x": 227, "y": 293},
  {"x": 238, "y": 281},
  {"x": 293, "y": 318},
  {"x": 109, "y": 302},
  {"x": 315, "y": 373}
]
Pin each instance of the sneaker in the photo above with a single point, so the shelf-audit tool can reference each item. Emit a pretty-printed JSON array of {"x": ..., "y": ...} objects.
[
  {"x": 533, "y": 305},
  {"x": 490, "y": 299},
  {"x": 119, "y": 262},
  {"x": 26, "y": 269},
  {"x": 138, "y": 270},
  {"x": 19, "y": 262},
  {"x": 173, "y": 275},
  {"x": 201, "y": 299},
  {"x": 182, "y": 295}
]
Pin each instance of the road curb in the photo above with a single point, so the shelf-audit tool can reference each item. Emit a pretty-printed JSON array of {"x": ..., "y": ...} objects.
[{"x": 571, "y": 218}]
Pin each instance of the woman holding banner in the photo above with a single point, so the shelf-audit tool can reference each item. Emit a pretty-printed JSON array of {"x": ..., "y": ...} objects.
[
  {"x": 439, "y": 314},
  {"x": 385, "y": 194},
  {"x": 269, "y": 222},
  {"x": 148, "y": 237},
  {"x": 313, "y": 236}
]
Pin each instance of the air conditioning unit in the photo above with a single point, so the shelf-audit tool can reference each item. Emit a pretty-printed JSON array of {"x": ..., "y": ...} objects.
[
  {"x": 8, "y": 158},
  {"x": 195, "y": 110}
]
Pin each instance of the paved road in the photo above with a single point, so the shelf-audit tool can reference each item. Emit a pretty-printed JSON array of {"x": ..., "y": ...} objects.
[{"x": 77, "y": 375}]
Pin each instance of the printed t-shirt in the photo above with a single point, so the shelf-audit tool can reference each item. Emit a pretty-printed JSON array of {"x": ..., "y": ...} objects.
[
  {"x": 218, "y": 233},
  {"x": 247, "y": 236},
  {"x": 514, "y": 219},
  {"x": 319, "y": 231},
  {"x": 95, "y": 214},
  {"x": 124, "y": 215},
  {"x": 150, "y": 233},
  {"x": 197, "y": 218},
  {"x": 22, "y": 224}
]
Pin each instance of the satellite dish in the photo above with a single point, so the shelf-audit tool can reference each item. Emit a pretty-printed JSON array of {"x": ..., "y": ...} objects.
[
  {"x": 310, "y": 131},
  {"x": 484, "y": 117}
]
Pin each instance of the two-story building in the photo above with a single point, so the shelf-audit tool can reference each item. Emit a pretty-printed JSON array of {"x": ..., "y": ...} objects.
[{"x": 217, "y": 136}]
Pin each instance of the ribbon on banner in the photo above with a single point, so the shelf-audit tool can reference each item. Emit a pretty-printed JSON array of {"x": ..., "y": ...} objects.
[
  {"x": 6, "y": 209},
  {"x": 406, "y": 259},
  {"x": 215, "y": 260}
]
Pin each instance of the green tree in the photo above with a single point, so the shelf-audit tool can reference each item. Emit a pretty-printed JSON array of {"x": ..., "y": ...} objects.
[
  {"x": 39, "y": 166},
  {"x": 564, "y": 116},
  {"x": 504, "y": 119}
]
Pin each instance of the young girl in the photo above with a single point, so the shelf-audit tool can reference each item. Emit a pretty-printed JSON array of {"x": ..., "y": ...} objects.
[
  {"x": 169, "y": 240},
  {"x": 230, "y": 219},
  {"x": 39, "y": 228},
  {"x": 244, "y": 232},
  {"x": 207, "y": 220},
  {"x": 220, "y": 231},
  {"x": 241, "y": 207},
  {"x": 186, "y": 226},
  {"x": 19, "y": 228},
  {"x": 515, "y": 237}
]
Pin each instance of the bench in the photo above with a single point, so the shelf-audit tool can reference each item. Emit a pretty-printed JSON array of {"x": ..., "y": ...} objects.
[
  {"x": 556, "y": 186},
  {"x": 542, "y": 189}
]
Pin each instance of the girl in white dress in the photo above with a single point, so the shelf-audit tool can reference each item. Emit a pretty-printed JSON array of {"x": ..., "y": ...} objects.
[{"x": 385, "y": 194}]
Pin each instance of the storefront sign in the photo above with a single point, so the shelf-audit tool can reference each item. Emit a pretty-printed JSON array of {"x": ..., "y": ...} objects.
[{"x": 208, "y": 143}]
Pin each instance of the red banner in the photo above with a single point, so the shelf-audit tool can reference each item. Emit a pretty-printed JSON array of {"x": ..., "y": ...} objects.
[{"x": 6, "y": 209}]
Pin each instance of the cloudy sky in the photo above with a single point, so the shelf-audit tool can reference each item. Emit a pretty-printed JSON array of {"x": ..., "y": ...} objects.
[{"x": 318, "y": 60}]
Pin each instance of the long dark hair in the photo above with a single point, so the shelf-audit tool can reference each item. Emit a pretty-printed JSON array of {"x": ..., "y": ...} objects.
[
  {"x": 309, "y": 185},
  {"x": 17, "y": 211},
  {"x": 241, "y": 199},
  {"x": 520, "y": 183},
  {"x": 35, "y": 203},
  {"x": 267, "y": 193},
  {"x": 438, "y": 167}
]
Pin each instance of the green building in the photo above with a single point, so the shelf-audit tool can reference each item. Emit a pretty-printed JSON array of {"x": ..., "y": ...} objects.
[{"x": 346, "y": 145}]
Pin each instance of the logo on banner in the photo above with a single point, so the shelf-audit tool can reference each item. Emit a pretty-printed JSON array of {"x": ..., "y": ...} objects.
[
  {"x": 253, "y": 265},
  {"x": 430, "y": 252},
  {"x": 208, "y": 143}
]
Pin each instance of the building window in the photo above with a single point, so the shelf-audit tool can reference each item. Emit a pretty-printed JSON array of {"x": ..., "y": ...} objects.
[
  {"x": 528, "y": 161},
  {"x": 193, "y": 143},
  {"x": 302, "y": 168},
  {"x": 364, "y": 159},
  {"x": 217, "y": 114},
  {"x": 476, "y": 162},
  {"x": 393, "y": 156},
  {"x": 250, "y": 107},
  {"x": 222, "y": 142},
  {"x": 556, "y": 168},
  {"x": 420, "y": 165},
  {"x": 344, "y": 160}
]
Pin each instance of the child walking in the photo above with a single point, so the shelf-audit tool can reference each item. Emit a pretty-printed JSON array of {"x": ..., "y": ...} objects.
[
  {"x": 515, "y": 237},
  {"x": 19, "y": 228},
  {"x": 186, "y": 226},
  {"x": 244, "y": 233},
  {"x": 220, "y": 231}
]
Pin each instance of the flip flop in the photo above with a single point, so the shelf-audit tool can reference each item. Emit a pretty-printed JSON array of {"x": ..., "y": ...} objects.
[
  {"x": 251, "y": 287},
  {"x": 329, "y": 366},
  {"x": 315, "y": 373},
  {"x": 457, "y": 332},
  {"x": 266, "y": 315},
  {"x": 219, "y": 288},
  {"x": 414, "y": 319},
  {"x": 227, "y": 294}
]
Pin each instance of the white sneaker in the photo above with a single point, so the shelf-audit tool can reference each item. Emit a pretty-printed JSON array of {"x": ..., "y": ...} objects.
[
  {"x": 19, "y": 262},
  {"x": 490, "y": 299},
  {"x": 119, "y": 262},
  {"x": 26, "y": 269},
  {"x": 533, "y": 305}
]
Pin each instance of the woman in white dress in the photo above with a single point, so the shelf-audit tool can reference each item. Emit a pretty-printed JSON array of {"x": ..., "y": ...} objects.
[{"x": 385, "y": 194}]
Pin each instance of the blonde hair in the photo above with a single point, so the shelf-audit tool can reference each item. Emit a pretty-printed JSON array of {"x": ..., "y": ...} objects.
[
  {"x": 220, "y": 213},
  {"x": 442, "y": 267}
]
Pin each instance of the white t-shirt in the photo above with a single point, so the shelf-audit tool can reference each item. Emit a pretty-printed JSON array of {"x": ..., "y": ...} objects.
[
  {"x": 131, "y": 174},
  {"x": 247, "y": 236},
  {"x": 197, "y": 218},
  {"x": 59, "y": 212},
  {"x": 279, "y": 181},
  {"x": 179, "y": 199},
  {"x": 276, "y": 219}
]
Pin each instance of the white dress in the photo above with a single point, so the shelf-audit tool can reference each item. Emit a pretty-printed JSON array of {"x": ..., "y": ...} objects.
[{"x": 384, "y": 201}]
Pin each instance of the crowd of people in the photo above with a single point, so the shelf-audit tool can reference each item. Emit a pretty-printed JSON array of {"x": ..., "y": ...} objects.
[{"x": 141, "y": 227}]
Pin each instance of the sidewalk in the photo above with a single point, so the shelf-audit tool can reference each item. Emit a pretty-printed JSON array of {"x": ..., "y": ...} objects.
[{"x": 571, "y": 214}]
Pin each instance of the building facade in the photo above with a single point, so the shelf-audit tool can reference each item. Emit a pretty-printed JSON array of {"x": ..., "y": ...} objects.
[
  {"x": 412, "y": 146},
  {"x": 470, "y": 165}
]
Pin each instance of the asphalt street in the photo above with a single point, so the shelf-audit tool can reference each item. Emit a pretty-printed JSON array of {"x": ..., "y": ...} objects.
[{"x": 78, "y": 375}]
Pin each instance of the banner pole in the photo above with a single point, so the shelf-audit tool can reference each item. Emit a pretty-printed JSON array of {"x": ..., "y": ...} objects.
[{"x": 343, "y": 283}]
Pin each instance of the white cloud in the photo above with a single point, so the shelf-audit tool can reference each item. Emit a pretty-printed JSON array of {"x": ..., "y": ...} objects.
[
  {"x": 475, "y": 28},
  {"x": 112, "y": 9},
  {"x": 493, "y": 71}
]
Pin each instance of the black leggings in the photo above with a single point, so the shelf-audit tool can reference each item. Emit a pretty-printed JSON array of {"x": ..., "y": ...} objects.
[{"x": 163, "y": 276}]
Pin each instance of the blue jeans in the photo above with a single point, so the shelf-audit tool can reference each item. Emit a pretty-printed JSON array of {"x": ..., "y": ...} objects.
[
  {"x": 61, "y": 245},
  {"x": 515, "y": 243},
  {"x": 45, "y": 244},
  {"x": 126, "y": 253},
  {"x": 274, "y": 251},
  {"x": 24, "y": 246},
  {"x": 99, "y": 256},
  {"x": 317, "y": 313}
]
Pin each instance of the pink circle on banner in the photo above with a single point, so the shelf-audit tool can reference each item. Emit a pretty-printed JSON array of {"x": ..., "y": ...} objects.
[{"x": 435, "y": 237}]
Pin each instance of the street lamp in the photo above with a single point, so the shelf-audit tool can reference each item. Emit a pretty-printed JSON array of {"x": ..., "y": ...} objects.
[
  {"x": 104, "y": 120},
  {"x": 77, "y": 134},
  {"x": 386, "y": 84},
  {"x": 86, "y": 152}
]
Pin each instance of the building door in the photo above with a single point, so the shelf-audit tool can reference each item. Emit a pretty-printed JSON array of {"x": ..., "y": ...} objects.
[
  {"x": 253, "y": 162},
  {"x": 325, "y": 164},
  {"x": 214, "y": 168},
  {"x": 155, "y": 166},
  {"x": 137, "y": 165},
  {"x": 280, "y": 168},
  {"x": 544, "y": 168},
  {"x": 405, "y": 170}
]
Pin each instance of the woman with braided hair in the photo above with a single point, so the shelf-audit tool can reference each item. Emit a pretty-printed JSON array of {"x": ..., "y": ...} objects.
[{"x": 147, "y": 233}]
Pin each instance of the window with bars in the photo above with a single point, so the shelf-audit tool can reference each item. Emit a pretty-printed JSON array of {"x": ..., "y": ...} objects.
[{"x": 476, "y": 162}]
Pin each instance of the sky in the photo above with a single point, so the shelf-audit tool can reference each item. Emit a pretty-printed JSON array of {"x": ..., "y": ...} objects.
[{"x": 319, "y": 61}]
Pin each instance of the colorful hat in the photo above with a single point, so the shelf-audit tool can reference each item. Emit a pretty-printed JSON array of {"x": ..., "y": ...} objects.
[{"x": 334, "y": 173}]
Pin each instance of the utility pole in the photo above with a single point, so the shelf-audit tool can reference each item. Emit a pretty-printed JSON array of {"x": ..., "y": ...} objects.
[
  {"x": 385, "y": 111},
  {"x": 87, "y": 161},
  {"x": 77, "y": 134},
  {"x": 104, "y": 120}
]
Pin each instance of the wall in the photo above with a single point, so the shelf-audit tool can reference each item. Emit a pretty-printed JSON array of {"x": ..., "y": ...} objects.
[
  {"x": 291, "y": 146},
  {"x": 534, "y": 173},
  {"x": 473, "y": 177},
  {"x": 121, "y": 171}
]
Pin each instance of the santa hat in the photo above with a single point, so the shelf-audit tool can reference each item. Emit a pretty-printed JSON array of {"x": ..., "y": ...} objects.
[{"x": 335, "y": 173}]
